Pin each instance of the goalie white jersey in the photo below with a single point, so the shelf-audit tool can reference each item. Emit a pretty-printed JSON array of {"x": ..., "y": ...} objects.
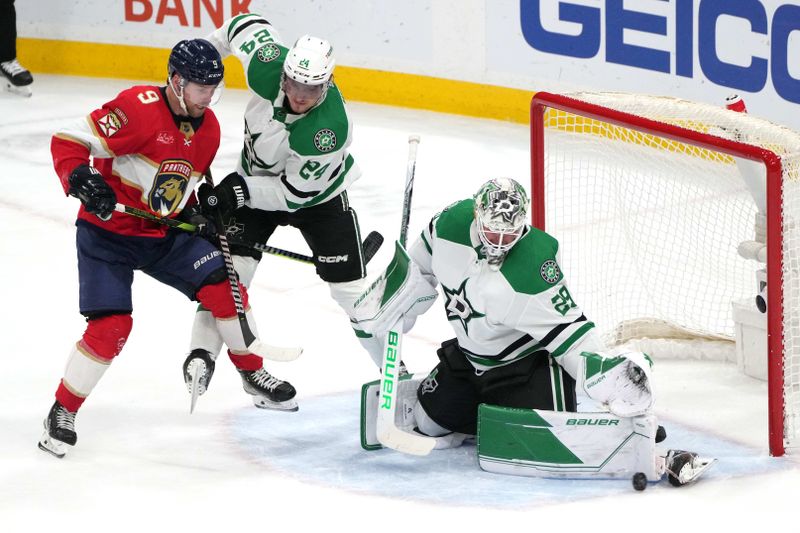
[
  {"x": 289, "y": 161},
  {"x": 501, "y": 316}
]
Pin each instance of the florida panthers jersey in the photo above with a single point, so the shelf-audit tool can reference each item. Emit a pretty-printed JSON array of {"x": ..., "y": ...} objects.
[
  {"x": 151, "y": 158},
  {"x": 502, "y": 316},
  {"x": 289, "y": 161}
]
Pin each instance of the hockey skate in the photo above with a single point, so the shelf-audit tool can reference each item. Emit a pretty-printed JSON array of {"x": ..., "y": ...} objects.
[
  {"x": 59, "y": 431},
  {"x": 685, "y": 467},
  {"x": 17, "y": 79},
  {"x": 269, "y": 392},
  {"x": 197, "y": 371}
]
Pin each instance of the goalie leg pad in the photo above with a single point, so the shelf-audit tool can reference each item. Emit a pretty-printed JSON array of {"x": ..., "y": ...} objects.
[
  {"x": 554, "y": 444},
  {"x": 404, "y": 415},
  {"x": 401, "y": 291}
]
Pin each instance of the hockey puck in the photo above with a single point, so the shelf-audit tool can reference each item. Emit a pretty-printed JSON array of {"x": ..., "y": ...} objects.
[{"x": 639, "y": 481}]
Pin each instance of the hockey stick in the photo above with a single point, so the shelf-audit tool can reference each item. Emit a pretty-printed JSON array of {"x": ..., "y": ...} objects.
[
  {"x": 388, "y": 433},
  {"x": 371, "y": 244},
  {"x": 255, "y": 346}
]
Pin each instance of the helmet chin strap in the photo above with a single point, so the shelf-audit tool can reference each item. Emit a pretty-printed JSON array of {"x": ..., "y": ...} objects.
[{"x": 179, "y": 95}]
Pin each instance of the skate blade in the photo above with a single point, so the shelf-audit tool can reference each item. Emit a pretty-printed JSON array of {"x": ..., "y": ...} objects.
[
  {"x": 19, "y": 91},
  {"x": 54, "y": 447},
  {"x": 194, "y": 386},
  {"x": 690, "y": 474},
  {"x": 264, "y": 403}
]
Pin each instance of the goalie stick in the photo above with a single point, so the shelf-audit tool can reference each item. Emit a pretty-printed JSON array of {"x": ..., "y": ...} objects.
[
  {"x": 388, "y": 433},
  {"x": 372, "y": 243}
]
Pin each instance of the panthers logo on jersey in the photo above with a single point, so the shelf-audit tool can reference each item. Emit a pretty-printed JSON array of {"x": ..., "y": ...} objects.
[{"x": 169, "y": 186}]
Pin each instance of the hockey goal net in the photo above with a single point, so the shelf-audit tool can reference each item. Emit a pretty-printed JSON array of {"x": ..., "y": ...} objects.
[{"x": 668, "y": 212}]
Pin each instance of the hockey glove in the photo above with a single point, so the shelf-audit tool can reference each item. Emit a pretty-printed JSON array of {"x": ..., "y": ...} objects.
[
  {"x": 620, "y": 380},
  {"x": 87, "y": 185},
  {"x": 229, "y": 195},
  {"x": 206, "y": 227}
]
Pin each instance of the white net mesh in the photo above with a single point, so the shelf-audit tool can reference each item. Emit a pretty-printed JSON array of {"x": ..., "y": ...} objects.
[{"x": 649, "y": 227}]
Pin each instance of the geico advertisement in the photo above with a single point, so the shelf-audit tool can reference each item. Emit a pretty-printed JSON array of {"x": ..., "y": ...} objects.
[{"x": 696, "y": 49}]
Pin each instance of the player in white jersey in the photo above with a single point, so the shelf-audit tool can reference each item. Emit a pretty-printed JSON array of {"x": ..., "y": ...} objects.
[
  {"x": 521, "y": 340},
  {"x": 294, "y": 169}
]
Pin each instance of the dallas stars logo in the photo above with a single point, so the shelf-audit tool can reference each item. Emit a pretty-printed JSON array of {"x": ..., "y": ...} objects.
[
  {"x": 504, "y": 206},
  {"x": 249, "y": 157},
  {"x": 458, "y": 307},
  {"x": 268, "y": 52},
  {"x": 325, "y": 140}
]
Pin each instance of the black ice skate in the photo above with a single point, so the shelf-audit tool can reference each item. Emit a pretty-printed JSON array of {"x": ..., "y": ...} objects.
[
  {"x": 16, "y": 77},
  {"x": 59, "y": 431},
  {"x": 268, "y": 391},
  {"x": 197, "y": 371},
  {"x": 685, "y": 467}
]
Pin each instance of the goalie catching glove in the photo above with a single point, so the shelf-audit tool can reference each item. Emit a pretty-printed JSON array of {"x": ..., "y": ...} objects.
[{"x": 620, "y": 381}]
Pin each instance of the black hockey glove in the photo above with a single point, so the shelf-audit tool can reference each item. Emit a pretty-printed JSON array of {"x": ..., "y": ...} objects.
[
  {"x": 87, "y": 185},
  {"x": 206, "y": 227},
  {"x": 229, "y": 195}
]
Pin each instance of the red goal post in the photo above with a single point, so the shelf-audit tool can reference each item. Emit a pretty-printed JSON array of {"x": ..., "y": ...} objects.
[{"x": 652, "y": 132}]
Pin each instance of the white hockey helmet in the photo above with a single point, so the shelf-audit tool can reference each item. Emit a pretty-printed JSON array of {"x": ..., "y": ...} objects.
[
  {"x": 310, "y": 61},
  {"x": 501, "y": 213}
]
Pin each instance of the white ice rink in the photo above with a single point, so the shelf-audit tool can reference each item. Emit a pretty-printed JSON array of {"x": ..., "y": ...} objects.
[{"x": 143, "y": 463}]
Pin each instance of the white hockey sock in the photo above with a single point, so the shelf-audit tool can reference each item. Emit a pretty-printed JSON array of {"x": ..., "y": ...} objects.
[
  {"x": 205, "y": 334},
  {"x": 231, "y": 332},
  {"x": 83, "y": 371}
]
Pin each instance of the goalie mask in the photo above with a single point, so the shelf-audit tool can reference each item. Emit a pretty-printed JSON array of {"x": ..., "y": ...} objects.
[{"x": 501, "y": 213}]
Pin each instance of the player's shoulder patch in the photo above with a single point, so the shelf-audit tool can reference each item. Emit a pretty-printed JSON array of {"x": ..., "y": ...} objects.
[
  {"x": 109, "y": 124},
  {"x": 531, "y": 266},
  {"x": 269, "y": 52}
]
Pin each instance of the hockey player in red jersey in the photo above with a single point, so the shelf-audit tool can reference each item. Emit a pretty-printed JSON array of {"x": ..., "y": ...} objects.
[{"x": 147, "y": 148}]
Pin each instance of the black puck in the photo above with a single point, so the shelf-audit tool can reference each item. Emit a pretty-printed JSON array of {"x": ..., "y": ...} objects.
[{"x": 639, "y": 481}]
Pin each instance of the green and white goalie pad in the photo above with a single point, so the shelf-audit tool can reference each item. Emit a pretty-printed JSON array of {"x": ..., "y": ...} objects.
[
  {"x": 401, "y": 291},
  {"x": 538, "y": 443},
  {"x": 371, "y": 399}
]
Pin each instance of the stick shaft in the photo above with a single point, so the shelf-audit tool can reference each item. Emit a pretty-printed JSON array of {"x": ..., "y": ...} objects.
[{"x": 413, "y": 142}]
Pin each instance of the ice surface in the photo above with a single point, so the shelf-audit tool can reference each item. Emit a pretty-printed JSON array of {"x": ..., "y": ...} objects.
[{"x": 142, "y": 462}]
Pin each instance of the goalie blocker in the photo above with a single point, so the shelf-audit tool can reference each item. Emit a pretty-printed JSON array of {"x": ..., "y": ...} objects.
[{"x": 550, "y": 444}]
